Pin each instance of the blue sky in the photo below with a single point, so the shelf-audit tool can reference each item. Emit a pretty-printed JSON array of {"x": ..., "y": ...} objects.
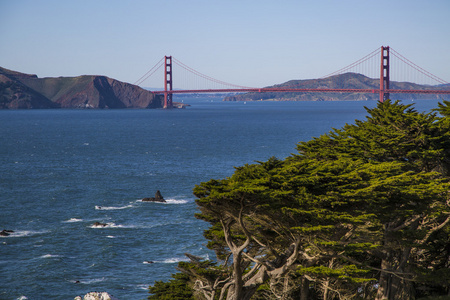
[{"x": 251, "y": 43}]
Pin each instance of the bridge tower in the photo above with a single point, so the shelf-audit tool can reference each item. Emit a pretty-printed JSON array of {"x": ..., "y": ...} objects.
[
  {"x": 168, "y": 82},
  {"x": 384, "y": 73}
]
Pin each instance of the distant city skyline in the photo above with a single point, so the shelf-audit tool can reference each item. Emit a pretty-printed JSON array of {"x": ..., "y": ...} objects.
[{"x": 250, "y": 43}]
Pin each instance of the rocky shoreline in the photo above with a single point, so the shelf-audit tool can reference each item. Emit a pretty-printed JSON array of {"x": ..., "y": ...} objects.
[{"x": 96, "y": 296}]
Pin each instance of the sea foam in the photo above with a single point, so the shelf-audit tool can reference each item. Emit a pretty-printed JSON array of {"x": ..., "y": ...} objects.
[
  {"x": 73, "y": 220},
  {"x": 107, "y": 225},
  {"x": 98, "y": 207}
]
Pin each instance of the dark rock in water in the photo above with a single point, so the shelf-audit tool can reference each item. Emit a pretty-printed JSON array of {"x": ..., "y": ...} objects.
[
  {"x": 6, "y": 232},
  {"x": 158, "y": 198},
  {"x": 98, "y": 224}
]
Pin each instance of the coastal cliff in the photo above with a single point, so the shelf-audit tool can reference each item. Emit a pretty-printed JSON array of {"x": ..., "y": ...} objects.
[{"x": 23, "y": 91}]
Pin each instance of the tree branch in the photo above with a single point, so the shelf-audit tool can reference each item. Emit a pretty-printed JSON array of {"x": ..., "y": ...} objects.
[
  {"x": 406, "y": 224},
  {"x": 434, "y": 229},
  {"x": 247, "y": 234}
]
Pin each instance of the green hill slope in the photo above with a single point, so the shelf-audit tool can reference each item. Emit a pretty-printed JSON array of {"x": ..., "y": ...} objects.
[{"x": 343, "y": 81}]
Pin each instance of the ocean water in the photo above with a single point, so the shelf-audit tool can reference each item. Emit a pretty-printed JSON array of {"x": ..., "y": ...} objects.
[{"x": 63, "y": 170}]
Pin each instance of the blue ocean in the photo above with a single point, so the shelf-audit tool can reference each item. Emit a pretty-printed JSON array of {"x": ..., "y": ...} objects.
[{"x": 63, "y": 170}]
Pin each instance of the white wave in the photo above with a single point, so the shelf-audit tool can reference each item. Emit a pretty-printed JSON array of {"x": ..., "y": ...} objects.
[
  {"x": 23, "y": 233},
  {"x": 49, "y": 256},
  {"x": 22, "y": 298},
  {"x": 176, "y": 201},
  {"x": 106, "y": 225},
  {"x": 73, "y": 220},
  {"x": 173, "y": 260},
  {"x": 168, "y": 201},
  {"x": 110, "y": 237},
  {"x": 143, "y": 286},
  {"x": 98, "y": 207}
]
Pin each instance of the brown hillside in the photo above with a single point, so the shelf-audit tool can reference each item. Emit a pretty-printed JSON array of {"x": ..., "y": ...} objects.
[
  {"x": 14, "y": 94},
  {"x": 18, "y": 90}
]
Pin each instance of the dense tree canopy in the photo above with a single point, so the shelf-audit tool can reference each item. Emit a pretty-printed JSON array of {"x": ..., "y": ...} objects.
[{"x": 362, "y": 212}]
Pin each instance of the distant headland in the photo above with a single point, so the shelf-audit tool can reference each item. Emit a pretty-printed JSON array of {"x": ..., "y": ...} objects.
[
  {"x": 341, "y": 81},
  {"x": 24, "y": 91}
]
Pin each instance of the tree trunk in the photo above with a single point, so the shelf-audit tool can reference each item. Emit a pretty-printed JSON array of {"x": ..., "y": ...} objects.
[
  {"x": 235, "y": 291},
  {"x": 384, "y": 282},
  {"x": 325, "y": 290},
  {"x": 401, "y": 288},
  {"x": 304, "y": 292}
]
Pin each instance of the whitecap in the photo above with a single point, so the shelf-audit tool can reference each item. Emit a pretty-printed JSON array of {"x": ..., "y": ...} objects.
[
  {"x": 172, "y": 260},
  {"x": 98, "y": 207},
  {"x": 106, "y": 225},
  {"x": 73, "y": 220},
  {"x": 23, "y": 233},
  {"x": 22, "y": 298},
  {"x": 110, "y": 237},
  {"x": 143, "y": 286},
  {"x": 175, "y": 201},
  {"x": 49, "y": 256}
]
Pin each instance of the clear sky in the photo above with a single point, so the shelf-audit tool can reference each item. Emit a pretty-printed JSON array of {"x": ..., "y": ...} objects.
[{"x": 251, "y": 43}]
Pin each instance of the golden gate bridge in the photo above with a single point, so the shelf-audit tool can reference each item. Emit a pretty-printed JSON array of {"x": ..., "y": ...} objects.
[{"x": 378, "y": 60}]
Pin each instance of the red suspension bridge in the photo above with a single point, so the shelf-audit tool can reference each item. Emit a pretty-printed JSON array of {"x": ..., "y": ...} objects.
[{"x": 370, "y": 64}]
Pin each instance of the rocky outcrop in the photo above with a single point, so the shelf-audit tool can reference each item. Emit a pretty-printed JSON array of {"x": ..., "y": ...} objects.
[
  {"x": 96, "y": 296},
  {"x": 18, "y": 90},
  {"x": 99, "y": 225},
  {"x": 6, "y": 232},
  {"x": 158, "y": 198}
]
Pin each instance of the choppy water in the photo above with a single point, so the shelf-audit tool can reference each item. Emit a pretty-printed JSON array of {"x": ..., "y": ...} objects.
[{"x": 63, "y": 170}]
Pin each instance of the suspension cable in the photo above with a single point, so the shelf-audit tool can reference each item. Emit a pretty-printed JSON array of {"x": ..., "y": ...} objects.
[
  {"x": 189, "y": 69},
  {"x": 150, "y": 72},
  {"x": 416, "y": 67},
  {"x": 365, "y": 58}
]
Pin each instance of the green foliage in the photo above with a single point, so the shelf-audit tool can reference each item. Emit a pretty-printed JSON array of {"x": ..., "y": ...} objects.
[
  {"x": 347, "y": 272},
  {"x": 175, "y": 289},
  {"x": 363, "y": 205}
]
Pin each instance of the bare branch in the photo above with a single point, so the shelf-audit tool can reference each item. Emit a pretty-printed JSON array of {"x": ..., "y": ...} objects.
[
  {"x": 227, "y": 234},
  {"x": 406, "y": 224},
  {"x": 434, "y": 229},
  {"x": 253, "y": 259},
  {"x": 247, "y": 234},
  {"x": 253, "y": 270}
]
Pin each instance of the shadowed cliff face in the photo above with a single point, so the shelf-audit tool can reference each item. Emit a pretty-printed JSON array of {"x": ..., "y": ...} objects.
[
  {"x": 15, "y": 95},
  {"x": 18, "y": 90}
]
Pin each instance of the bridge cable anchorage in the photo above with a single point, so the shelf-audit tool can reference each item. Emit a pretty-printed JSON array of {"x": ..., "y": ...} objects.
[
  {"x": 352, "y": 65},
  {"x": 149, "y": 73},
  {"x": 417, "y": 68},
  {"x": 197, "y": 73}
]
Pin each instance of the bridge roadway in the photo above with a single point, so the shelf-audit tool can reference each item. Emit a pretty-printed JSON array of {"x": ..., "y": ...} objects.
[{"x": 265, "y": 90}]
